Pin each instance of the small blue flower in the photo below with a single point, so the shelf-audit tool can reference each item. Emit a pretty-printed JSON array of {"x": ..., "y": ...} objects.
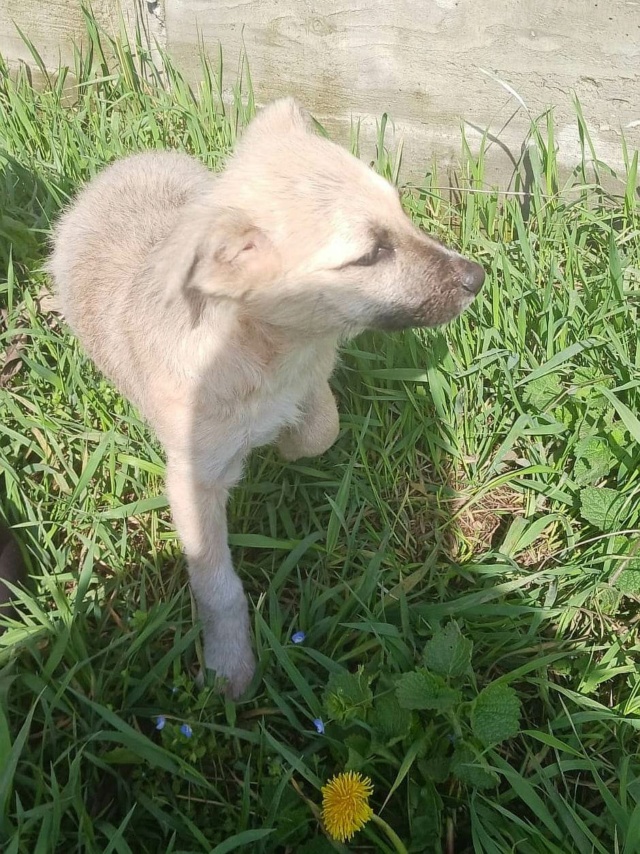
[
  {"x": 298, "y": 637},
  {"x": 319, "y": 725},
  {"x": 174, "y": 690},
  {"x": 160, "y": 722},
  {"x": 186, "y": 730}
]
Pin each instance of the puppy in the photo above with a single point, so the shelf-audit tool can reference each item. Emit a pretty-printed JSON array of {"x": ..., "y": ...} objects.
[{"x": 215, "y": 303}]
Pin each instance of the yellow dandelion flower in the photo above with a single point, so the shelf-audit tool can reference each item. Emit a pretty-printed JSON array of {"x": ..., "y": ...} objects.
[{"x": 345, "y": 805}]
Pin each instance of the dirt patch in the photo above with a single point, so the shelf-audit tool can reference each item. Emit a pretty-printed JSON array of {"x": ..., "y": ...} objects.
[
  {"x": 481, "y": 518},
  {"x": 467, "y": 519}
]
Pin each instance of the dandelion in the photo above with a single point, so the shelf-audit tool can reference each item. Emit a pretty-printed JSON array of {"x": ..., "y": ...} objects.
[
  {"x": 298, "y": 637},
  {"x": 160, "y": 722},
  {"x": 345, "y": 804},
  {"x": 319, "y": 725},
  {"x": 345, "y": 809},
  {"x": 186, "y": 730}
]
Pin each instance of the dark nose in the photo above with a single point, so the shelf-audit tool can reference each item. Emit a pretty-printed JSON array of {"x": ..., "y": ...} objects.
[{"x": 471, "y": 276}]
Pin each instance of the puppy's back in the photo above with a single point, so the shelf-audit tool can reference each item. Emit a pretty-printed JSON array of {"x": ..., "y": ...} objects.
[{"x": 101, "y": 243}]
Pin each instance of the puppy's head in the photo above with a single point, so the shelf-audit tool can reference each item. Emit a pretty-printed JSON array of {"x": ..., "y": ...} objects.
[{"x": 306, "y": 236}]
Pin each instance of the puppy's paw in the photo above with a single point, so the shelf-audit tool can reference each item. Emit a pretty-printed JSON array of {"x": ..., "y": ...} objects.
[
  {"x": 232, "y": 662},
  {"x": 290, "y": 450},
  {"x": 316, "y": 432},
  {"x": 308, "y": 440}
]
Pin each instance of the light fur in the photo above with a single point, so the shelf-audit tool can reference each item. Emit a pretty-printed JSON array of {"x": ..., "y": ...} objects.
[{"x": 216, "y": 304}]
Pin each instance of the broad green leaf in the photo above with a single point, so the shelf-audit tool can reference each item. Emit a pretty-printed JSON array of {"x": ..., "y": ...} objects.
[
  {"x": 594, "y": 460},
  {"x": 436, "y": 768},
  {"x": 626, "y": 575},
  {"x": 348, "y": 695},
  {"x": 628, "y": 582},
  {"x": 359, "y": 749},
  {"x": 448, "y": 652},
  {"x": 495, "y": 716},
  {"x": 422, "y": 690},
  {"x": 542, "y": 392},
  {"x": 389, "y": 719},
  {"x": 608, "y": 598},
  {"x": 470, "y": 768},
  {"x": 601, "y": 507}
]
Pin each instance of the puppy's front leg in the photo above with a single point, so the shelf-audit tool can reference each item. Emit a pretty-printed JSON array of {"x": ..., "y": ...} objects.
[
  {"x": 318, "y": 429},
  {"x": 198, "y": 505}
]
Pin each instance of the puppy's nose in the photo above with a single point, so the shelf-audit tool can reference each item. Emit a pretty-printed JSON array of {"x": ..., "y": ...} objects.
[{"x": 471, "y": 276}]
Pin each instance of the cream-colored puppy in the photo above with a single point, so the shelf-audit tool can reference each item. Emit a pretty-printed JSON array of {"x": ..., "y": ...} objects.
[{"x": 215, "y": 303}]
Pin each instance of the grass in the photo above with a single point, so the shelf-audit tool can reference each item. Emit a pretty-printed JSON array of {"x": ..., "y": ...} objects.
[{"x": 464, "y": 561}]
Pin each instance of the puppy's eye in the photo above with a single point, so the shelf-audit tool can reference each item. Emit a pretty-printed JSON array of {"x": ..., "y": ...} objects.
[{"x": 376, "y": 254}]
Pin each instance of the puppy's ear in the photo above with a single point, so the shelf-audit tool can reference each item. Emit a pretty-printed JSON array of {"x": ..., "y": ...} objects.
[
  {"x": 279, "y": 118},
  {"x": 219, "y": 253},
  {"x": 237, "y": 256}
]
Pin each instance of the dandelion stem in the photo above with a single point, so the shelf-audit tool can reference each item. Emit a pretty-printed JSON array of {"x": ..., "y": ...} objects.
[{"x": 393, "y": 836}]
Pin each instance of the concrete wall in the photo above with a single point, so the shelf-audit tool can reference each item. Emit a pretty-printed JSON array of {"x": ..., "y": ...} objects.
[{"x": 431, "y": 64}]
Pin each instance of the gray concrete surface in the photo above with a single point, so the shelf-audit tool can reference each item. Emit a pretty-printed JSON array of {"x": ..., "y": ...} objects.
[{"x": 431, "y": 64}]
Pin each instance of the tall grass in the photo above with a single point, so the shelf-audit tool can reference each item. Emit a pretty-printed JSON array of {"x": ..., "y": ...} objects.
[{"x": 486, "y": 473}]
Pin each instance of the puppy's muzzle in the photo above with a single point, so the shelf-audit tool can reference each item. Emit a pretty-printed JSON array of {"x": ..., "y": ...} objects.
[
  {"x": 471, "y": 275},
  {"x": 459, "y": 281}
]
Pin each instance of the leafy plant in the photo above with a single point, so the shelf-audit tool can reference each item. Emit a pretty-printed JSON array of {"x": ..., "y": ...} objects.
[{"x": 435, "y": 717}]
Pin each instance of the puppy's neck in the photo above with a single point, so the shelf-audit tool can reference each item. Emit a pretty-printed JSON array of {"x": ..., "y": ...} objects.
[{"x": 268, "y": 344}]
